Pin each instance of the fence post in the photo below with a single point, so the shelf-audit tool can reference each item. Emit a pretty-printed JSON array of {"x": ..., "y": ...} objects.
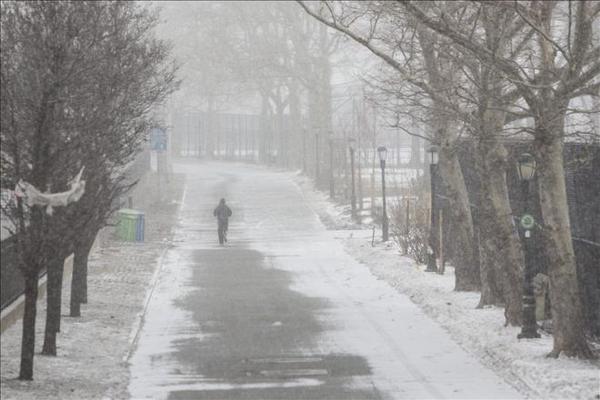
[
  {"x": 407, "y": 225},
  {"x": 441, "y": 244}
]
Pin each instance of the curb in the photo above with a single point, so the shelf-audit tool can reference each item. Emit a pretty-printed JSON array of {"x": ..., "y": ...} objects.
[
  {"x": 14, "y": 312},
  {"x": 134, "y": 336},
  {"x": 136, "y": 329}
]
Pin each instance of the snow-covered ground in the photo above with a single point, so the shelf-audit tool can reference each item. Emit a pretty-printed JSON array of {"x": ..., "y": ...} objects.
[
  {"x": 91, "y": 349},
  {"x": 306, "y": 297},
  {"x": 481, "y": 332}
]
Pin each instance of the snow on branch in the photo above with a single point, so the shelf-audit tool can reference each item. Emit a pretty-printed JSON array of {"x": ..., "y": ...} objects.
[{"x": 50, "y": 200}]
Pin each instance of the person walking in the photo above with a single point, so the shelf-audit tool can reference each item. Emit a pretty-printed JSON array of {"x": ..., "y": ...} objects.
[{"x": 222, "y": 212}]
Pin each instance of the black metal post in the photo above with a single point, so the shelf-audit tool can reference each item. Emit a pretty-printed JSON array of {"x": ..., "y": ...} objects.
[
  {"x": 431, "y": 254},
  {"x": 529, "y": 328},
  {"x": 384, "y": 217},
  {"x": 304, "y": 150},
  {"x": 317, "y": 160},
  {"x": 331, "y": 183},
  {"x": 353, "y": 195}
]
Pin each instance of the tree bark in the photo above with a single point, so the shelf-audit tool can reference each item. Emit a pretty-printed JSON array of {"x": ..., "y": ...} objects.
[
  {"x": 295, "y": 126},
  {"x": 491, "y": 290},
  {"x": 264, "y": 129},
  {"x": 79, "y": 276},
  {"x": 501, "y": 258},
  {"x": 28, "y": 337},
  {"x": 53, "y": 309},
  {"x": 466, "y": 269},
  {"x": 567, "y": 311},
  {"x": 79, "y": 259},
  {"x": 415, "y": 152},
  {"x": 500, "y": 252},
  {"x": 84, "y": 284}
]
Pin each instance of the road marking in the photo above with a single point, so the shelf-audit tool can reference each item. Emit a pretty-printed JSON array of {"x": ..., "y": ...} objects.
[
  {"x": 287, "y": 360},
  {"x": 293, "y": 372},
  {"x": 205, "y": 386}
]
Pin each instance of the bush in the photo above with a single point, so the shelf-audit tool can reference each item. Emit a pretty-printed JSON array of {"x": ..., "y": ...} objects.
[
  {"x": 409, "y": 221},
  {"x": 413, "y": 234}
]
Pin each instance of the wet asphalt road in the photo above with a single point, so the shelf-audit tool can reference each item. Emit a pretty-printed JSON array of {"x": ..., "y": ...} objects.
[{"x": 265, "y": 317}]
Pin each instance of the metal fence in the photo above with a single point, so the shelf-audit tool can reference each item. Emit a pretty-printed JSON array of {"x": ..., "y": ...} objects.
[
  {"x": 582, "y": 175},
  {"x": 11, "y": 279}
]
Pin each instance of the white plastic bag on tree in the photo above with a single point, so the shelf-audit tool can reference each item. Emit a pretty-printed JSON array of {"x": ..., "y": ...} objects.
[{"x": 49, "y": 200}]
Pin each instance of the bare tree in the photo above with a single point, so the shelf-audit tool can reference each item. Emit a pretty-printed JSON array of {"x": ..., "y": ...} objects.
[
  {"x": 563, "y": 65},
  {"x": 382, "y": 30},
  {"x": 57, "y": 74}
]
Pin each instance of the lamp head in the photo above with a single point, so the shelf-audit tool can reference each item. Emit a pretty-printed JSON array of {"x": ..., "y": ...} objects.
[
  {"x": 526, "y": 166},
  {"x": 433, "y": 154},
  {"x": 351, "y": 142},
  {"x": 382, "y": 151}
]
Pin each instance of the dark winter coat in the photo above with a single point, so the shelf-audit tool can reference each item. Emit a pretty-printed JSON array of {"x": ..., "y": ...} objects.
[{"x": 222, "y": 212}]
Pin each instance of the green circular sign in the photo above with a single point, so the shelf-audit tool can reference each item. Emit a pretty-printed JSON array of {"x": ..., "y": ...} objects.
[{"x": 527, "y": 221}]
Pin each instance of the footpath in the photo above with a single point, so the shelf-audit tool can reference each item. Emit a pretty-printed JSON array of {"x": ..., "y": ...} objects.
[
  {"x": 481, "y": 332},
  {"x": 93, "y": 350},
  {"x": 92, "y": 353}
]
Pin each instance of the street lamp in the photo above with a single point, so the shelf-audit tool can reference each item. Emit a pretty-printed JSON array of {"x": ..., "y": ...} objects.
[
  {"x": 382, "y": 151},
  {"x": 433, "y": 165},
  {"x": 331, "y": 183},
  {"x": 317, "y": 161},
  {"x": 526, "y": 167},
  {"x": 351, "y": 142}
]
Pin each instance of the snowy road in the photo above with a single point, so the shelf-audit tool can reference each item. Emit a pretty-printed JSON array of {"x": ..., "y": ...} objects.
[{"x": 282, "y": 311}]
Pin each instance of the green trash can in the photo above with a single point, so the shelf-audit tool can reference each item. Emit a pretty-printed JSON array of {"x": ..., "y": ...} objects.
[{"x": 130, "y": 226}]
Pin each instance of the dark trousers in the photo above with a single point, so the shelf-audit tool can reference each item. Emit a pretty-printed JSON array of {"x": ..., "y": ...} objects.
[{"x": 222, "y": 231}]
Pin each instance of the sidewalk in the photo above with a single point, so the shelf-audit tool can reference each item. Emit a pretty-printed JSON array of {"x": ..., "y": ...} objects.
[
  {"x": 93, "y": 349},
  {"x": 481, "y": 332}
]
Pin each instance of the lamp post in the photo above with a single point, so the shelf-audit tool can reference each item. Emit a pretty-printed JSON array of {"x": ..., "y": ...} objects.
[
  {"x": 317, "y": 173},
  {"x": 304, "y": 149},
  {"x": 382, "y": 151},
  {"x": 526, "y": 167},
  {"x": 433, "y": 165},
  {"x": 353, "y": 192},
  {"x": 331, "y": 183}
]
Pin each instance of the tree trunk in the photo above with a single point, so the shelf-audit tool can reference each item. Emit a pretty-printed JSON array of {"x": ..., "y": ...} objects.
[
  {"x": 500, "y": 251},
  {"x": 567, "y": 311},
  {"x": 295, "y": 147},
  {"x": 359, "y": 184},
  {"x": 491, "y": 290},
  {"x": 53, "y": 309},
  {"x": 84, "y": 284},
  {"x": 466, "y": 269},
  {"x": 324, "y": 85},
  {"x": 28, "y": 337},
  {"x": 415, "y": 152},
  {"x": 79, "y": 277},
  {"x": 282, "y": 133},
  {"x": 263, "y": 129},
  {"x": 86, "y": 248}
]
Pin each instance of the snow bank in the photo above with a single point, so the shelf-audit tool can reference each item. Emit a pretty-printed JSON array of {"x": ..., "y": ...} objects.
[
  {"x": 92, "y": 348},
  {"x": 522, "y": 363}
]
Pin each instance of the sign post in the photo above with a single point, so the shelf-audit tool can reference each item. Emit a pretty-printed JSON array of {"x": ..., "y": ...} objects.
[
  {"x": 158, "y": 139},
  {"x": 158, "y": 143}
]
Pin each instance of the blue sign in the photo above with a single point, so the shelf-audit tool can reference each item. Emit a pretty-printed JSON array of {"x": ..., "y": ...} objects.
[{"x": 158, "y": 139}]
